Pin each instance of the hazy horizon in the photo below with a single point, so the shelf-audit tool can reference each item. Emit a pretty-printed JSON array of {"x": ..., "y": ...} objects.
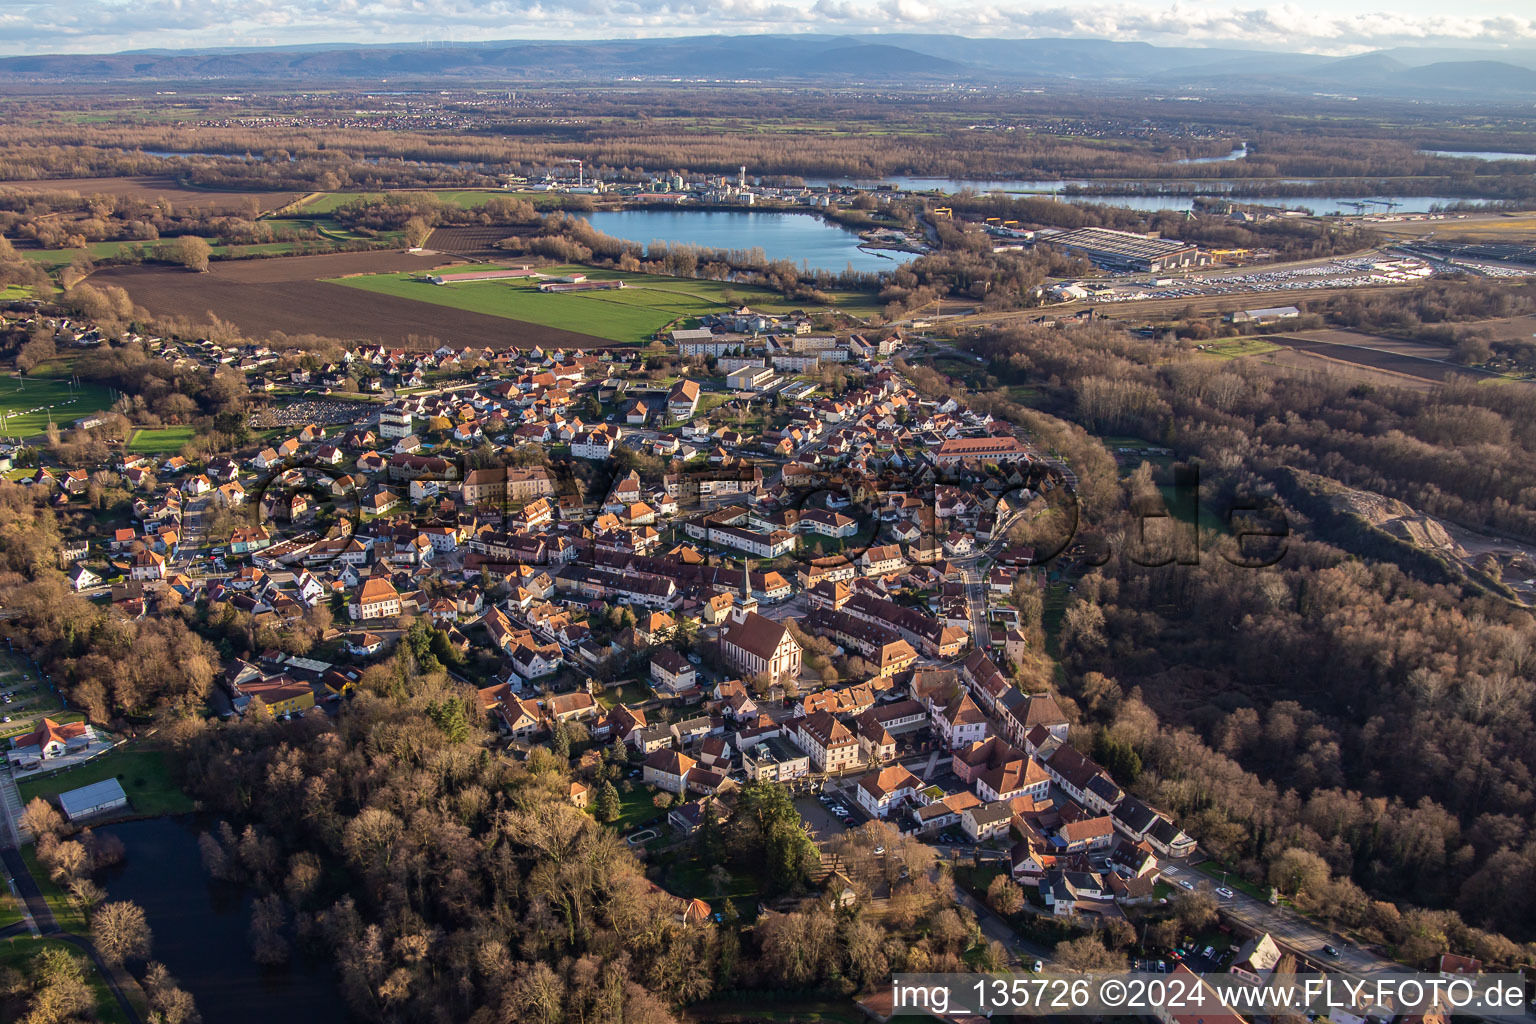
[{"x": 1344, "y": 28}]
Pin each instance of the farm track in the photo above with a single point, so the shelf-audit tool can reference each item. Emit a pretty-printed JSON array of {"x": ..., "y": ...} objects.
[{"x": 288, "y": 295}]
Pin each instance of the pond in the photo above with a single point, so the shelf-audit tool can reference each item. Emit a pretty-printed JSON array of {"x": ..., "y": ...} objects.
[
  {"x": 200, "y": 931},
  {"x": 804, "y": 238}
]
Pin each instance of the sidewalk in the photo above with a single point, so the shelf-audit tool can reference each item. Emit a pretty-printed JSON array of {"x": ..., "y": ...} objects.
[{"x": 13, "y": 835}]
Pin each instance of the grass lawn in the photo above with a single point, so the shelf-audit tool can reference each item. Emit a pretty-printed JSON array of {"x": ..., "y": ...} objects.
[
  {"x": 144, "y": 775},
  {"x": 632, "y": 315},
  {"x": 16, "y": 291},
  {"x": 636, "y": 806},
  {"x": 18, "y": 953},
  {"x": 686, "y": 876},
  {"x": 54, "y": 259},
  {"x": 65, "y": 910},
  {"x": 10, "y": 909},
  {"x": 160, "y": 440},
  {"x": 1233, "y": 348},
  {"x": 612, "y": 698}
]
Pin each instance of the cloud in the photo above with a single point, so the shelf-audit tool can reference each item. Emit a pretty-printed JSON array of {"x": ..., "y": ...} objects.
[{"x": 97, "y": 26}]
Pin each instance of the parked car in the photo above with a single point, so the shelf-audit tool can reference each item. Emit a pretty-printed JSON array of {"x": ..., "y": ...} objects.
[
  {"x": 1186, "y": 883},
  {"x": 1037, "y": 967},
  {"x": 1224, "y": 893},
  {"x": 1331, "y": 951},
  {"x": 1210, "y": 951}
]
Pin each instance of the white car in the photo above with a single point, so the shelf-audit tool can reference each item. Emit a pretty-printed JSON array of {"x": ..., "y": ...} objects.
[
  {"x": 1225, "y": 893},
  {"x": 1186, "y": 883}
]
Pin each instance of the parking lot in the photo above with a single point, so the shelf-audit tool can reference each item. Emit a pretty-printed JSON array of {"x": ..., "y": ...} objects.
[
  {"x": 824, "y": 824},
  {"x": 1347, "y": 272},
  {"x": 24, "y": 700}
]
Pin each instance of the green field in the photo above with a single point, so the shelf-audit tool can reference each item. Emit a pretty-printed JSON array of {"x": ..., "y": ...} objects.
[
  {"x": 1235, "y": 348},
  {"x": 27, "y": 405},
  {"x": 144, "y": 775},
  {"x": 332, "y": 239},
  {"x": 54, "y": 259},
  {"x": 65, "y": 910},
  {"x": 647, "y": 304},
  {"x": 160, "y": 440}
]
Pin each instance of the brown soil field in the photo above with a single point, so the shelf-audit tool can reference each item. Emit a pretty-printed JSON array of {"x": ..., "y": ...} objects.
[
  {"x": 288, "y": 295},
  {"x": 1399, "y": 358},
  {"x": 1514, "y": 328},
  {"x": 1290, "y": 361},
  {"x": 154, "y": 188},
  {"x": 1399, "y": 346},
  {"x": 472, "y": 241}
]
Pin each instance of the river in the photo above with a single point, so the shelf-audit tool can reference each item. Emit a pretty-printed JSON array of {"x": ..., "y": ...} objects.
[
  {"x": 1467, "y": 154},
  {"x": 200, "y": 932},
  {"x": 804, "y": 238}
]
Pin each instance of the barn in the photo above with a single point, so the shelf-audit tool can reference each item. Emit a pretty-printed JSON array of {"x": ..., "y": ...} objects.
[{"x": 97, "y": 798}]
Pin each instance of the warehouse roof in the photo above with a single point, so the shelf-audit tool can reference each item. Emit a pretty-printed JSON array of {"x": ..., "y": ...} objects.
[{"x": 82, "y": 801}]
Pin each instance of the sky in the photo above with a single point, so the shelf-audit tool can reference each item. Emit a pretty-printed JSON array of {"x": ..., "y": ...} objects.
[{"x": 1323, "y": 26}]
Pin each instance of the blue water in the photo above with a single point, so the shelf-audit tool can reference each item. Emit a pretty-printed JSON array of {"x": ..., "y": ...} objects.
[
  {"x": 806, "y": 239},
  {"x": 201, "y": 929},
  {"x": 1237, "y": 154}
]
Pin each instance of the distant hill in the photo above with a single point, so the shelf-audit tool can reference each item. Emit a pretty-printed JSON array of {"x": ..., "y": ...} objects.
[{"x": 1438, "y": 73}]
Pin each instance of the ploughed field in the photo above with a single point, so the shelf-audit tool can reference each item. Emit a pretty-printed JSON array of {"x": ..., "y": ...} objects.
[
  {"x": 1392, "y": 355},
  {"x": 152, "y": 187},
  {"x": 474, "y": 240},
  {"x": 291, "y": 295}
]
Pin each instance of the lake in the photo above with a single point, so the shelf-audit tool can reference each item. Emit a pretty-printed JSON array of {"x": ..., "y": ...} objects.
[
  {"x": 1467, "y": 154},
  {"x": 200, "y": 932},
  {"x": 804, "y": 238}
]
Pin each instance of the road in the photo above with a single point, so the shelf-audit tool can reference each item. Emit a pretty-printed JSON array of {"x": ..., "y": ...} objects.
[
  {"x": 47, "y": 925},
  {"x": 1288, "y": 928}
]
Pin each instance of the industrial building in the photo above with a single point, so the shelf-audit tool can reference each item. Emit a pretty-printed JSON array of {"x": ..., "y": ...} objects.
[
  {"x": 464, "y": 276},
  {"x": 1123, "y": 251},
  {"x": 97, "y": 798}
]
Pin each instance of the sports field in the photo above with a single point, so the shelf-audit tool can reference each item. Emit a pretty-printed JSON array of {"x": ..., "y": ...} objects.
[
  {"x": 26, "y": 405},
  {"x": 630, "y": 315},
  {"x": 160, "y": 440}
]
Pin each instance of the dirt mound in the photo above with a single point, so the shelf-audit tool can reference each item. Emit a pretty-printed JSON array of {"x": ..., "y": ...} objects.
[{"x": 1400, "y": 520}]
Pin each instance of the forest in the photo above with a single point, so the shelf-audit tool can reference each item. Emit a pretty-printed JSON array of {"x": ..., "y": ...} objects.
[
  {"x": 1354, "y": 720},
  {"x": 315, "y": 141}
]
